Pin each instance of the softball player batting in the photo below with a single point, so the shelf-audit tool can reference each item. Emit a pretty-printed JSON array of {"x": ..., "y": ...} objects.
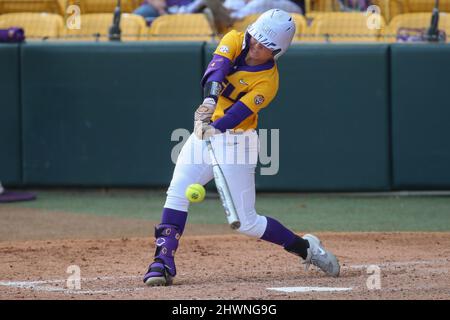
[{"x": 241, "y": 79}]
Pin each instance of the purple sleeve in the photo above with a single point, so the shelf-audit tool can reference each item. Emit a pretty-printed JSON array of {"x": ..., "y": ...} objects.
[
  {"x": 217, "y": 69},
  {"x": 233, "y": 116}
]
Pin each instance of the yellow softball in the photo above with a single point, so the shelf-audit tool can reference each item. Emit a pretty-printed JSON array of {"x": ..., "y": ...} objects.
[{"x": 195, "y": 192}]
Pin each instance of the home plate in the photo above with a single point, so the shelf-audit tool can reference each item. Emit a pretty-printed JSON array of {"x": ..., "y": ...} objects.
[{"x": 309, "y": 289}]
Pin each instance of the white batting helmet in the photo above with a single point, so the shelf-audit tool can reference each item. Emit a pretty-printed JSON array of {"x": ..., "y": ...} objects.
[{"x": 274, "y": 29}]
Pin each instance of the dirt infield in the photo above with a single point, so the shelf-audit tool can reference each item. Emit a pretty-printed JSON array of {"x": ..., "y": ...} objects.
[{"x": 37, "y": 247}]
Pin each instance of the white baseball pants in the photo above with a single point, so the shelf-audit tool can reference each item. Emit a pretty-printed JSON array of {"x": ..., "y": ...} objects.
[{"x": 237, "y": 154}]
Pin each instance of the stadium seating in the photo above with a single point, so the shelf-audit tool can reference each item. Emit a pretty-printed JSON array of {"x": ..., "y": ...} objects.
[
  {"x": 46, "y": 19},
  {"x": 300, "y": 25},
  {"x": 15, "y": 6},
  {"x": 241, "y": 25},
  {"x": 416, "y": 21},
  {"x": 36, "y": 25},
  {"x": 95, "y": 26},
  {"x": 396, "y": 7},
  {"x": 334, "y": 5},
  {"x": 58, "y": 6},
  {"x": 388, "y": 8},
  {"x": 425, "y": 5},
  {"x": 322, "y": 5},
  {"x": 184, "y": 27},
  {"x": 343, "y": 27},
  {"x": 104, "y": 6}
]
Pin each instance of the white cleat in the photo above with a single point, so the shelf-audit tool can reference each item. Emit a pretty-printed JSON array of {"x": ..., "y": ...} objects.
[
  {"x": 321, "y": 258},
  {"x": 158, "y": 281}
]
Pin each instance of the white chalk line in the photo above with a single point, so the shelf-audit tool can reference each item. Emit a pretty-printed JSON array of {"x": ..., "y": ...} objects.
[
  {"x": 42, "y": 285},
  {"x": 309, "y": 289},
  {"x": 47, "y": 288},
  {"x": 45, "y": 285},
  {"x": 5, "y": 283},
  {"x": 397, "y": 264}
]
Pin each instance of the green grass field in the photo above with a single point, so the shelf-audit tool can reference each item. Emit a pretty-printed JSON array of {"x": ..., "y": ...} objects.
[{"x": 299, "y": 211}]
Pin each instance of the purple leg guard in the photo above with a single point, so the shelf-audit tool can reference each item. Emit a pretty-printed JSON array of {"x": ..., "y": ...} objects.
[{"x": 167, "y": 237}]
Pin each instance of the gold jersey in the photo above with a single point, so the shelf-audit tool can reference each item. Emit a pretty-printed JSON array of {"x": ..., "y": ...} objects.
[{"x": 254, "y": 86}]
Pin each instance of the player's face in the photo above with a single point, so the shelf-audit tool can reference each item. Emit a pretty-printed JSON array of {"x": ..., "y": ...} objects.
[{"x": 258, "y": 53}]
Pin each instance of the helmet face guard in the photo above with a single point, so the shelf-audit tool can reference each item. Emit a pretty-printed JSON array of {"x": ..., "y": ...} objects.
[{"x": 275, "y": 30}]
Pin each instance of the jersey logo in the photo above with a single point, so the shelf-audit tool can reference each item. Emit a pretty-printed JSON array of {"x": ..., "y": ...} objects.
[
  {"x": 224, "y": 49},
  {"x": 259, "y": 99},
  {"x": 241, "y": 81}
]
